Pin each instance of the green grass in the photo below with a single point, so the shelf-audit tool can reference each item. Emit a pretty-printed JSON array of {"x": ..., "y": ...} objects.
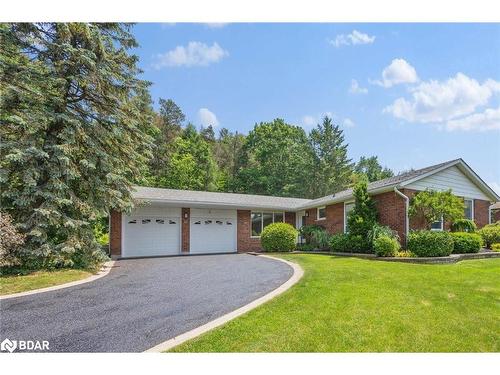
[
  {"x": 356, "y": 305},
  {"x": 41, "y": 279}
]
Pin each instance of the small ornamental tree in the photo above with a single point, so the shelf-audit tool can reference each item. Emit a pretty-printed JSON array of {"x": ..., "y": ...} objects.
[
  {"x": 430, "y": 206},
  {"x": 363, "y": 216}
]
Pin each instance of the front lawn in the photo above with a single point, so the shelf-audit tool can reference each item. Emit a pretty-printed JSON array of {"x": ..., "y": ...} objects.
[
  {"x": 357, "y": 305},
  {"x": 41, "y": 279}
]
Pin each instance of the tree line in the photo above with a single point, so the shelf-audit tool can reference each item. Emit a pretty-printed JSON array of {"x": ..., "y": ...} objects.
[{"x": 79, "y": 128}]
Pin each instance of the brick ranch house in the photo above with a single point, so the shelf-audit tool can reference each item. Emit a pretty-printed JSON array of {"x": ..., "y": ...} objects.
[{"x": 175, "y": 222}]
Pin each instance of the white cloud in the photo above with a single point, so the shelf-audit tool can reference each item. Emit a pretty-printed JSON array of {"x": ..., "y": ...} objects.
[
  {"x": 215, "y": 25},
  {"x": 194, "y": 54},
  {"x": 441, "y": 101},
  {"x": 398, "y": 71},
  {"x": 356, "y": 89},
  {"x": 353, "y": 38},
  {"x": 207, "y": 117},
  {"x": 309, "y": 120},
  {"x": 495, "y": 186},
  {"x": 348, "y": 123},
  {"x": 487, "y": 120}
]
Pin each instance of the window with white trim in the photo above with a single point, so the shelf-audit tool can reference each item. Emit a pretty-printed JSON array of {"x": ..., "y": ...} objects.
[
  {"x": 321, "y": 213},
  {"x": 469, "y": 208},
  {"x": 437, "y": 225},
  {"x": 260, "y": 220},
  {"x": 347, "y": 208}
]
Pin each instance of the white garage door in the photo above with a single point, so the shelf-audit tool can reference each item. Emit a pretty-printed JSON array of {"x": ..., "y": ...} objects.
[
  {"x": 151, "y": 235},
  {"x": 213, "y": 233}
]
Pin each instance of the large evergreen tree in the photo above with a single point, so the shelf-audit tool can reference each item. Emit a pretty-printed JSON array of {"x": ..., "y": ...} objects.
[
  {"x": 275, "y": 160},
  {"x": 331, "y": 169},
  {"x": 73, "y": 129}
]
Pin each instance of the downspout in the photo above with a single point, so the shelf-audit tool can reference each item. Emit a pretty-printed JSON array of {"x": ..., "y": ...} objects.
[{"x": 407, "y": 220}]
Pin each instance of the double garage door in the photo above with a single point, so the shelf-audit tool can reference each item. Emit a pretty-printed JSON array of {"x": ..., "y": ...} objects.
[{"x": 151, "y": 231}]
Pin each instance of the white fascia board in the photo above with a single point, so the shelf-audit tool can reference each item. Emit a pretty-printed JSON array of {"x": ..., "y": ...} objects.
[
  {"x": 214, "y": 205},
  {"x": 345, "y": 198}
]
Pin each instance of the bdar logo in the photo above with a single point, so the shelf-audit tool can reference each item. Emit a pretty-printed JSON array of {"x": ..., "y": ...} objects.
[{"x": 8, "y": 345}]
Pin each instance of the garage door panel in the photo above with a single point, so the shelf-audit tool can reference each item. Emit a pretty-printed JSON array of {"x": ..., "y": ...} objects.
[
  {"x": 149, "y": 236},
  {"x": 212, "y": 235}
]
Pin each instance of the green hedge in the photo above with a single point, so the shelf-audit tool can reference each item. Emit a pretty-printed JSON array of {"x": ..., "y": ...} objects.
[
  {"x": 386, "y": 246},
  {"x": 466, "y": 242},
  {"x": 278, "y": 237},
  {"x": 427, "y": 243},
  {"x": 463, "y": 225},
  {"x": 490, "y": 234},
  {"x": 345, "y": 243},
  {"x": 495, "y": 247}
]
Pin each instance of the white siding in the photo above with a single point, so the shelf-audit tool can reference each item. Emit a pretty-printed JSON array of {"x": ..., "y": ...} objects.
[
  {"x": 213, "y": 213},
  {"x": 450, "y": 178},
  {"x": 156, "y": 210}
]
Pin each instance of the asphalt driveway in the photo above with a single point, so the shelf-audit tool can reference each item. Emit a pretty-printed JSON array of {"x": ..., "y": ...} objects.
[{"x": 141, "y": 303}]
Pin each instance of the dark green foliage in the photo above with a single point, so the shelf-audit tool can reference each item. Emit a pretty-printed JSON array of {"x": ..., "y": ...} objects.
[
  {"x": 11, "y": 242},
  {"x": 380, "y": 230},
  {"x": 331, "y": 168},
  {"x": 74, "y": 133},
  {"x": 466, "y": 242},
  {"x": 278, "y": 237},
  {"x": 463, "y": 225},
  {"x": 307, "y": 232},
  {"x": 430, "y": 206},
  {"x": 371, "y": 169},
  {"x": 359, "y": 244},
  {"x": 363, "y": 216},
  {"x": 490, "y": 234},
  {"x": 427, "y": 243},
  {"x": 227, "y": 151},
  {"x": 339, "y": 243},
  {"x": 275, "y": 160},
  {"x": 385, "y": 246}
]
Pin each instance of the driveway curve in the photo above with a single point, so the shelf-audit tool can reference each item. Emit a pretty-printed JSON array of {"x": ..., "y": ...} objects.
[{"x": 141, "y": 303}]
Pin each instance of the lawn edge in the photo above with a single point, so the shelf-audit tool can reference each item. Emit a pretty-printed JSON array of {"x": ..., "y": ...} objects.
[
  {"x": 106, "y": 268},
  {"x": 298, "y": 272}
]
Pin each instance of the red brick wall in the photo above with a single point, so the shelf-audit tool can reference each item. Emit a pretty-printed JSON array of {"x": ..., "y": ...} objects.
[
  {"x": 391, "y": 212},
  {"x": 334, "y": 222},
  {"x": 185, "y": 223},
  {"x": 115, "y": 234},
  {"x": 496, "y": 215},
  {"x": 481, "y": 212},
  {"x": 245, "y": 242}
]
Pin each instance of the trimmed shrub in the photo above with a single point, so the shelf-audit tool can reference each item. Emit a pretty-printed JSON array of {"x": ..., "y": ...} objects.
[
  {"x": 463, "y": 225},
  {"x": 427, "y": 243},
  {"x": 490, "y": 234},
  {"x": 495, "y": 247},
  {"x": 339, "y": 243},
  {"x": 381, "y": 230},
  {"x": 278, "y": 237},
  {"x": 308, "y": 231},
  {"x": 466, "y": 242},
  {"x": 386, "y": 246},
  {"x": 358, "y": 244}
]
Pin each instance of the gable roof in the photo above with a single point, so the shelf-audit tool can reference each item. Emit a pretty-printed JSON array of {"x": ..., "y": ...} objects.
[
  {"x": 251, "y": 201},
  {"x": 212, "y": 199},
  {"x": 404, "y": 179}
]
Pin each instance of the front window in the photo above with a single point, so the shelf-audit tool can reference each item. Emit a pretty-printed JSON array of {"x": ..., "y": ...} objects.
[
  {"x": 347, "y": 208},
  {"x": 437, "y": 225},
  {"x": 469, "y": 209},
  {"x": 321, "y": 213},
  {"x": 256, "y": 223},
  {"x": 260, "y": 220}
]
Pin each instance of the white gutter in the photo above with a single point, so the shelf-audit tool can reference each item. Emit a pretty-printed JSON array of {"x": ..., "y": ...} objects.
[{"x": 407, "y": 220}]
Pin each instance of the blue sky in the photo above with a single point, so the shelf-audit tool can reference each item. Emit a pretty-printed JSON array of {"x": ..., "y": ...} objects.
[{"x": 412, "y": 94}]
